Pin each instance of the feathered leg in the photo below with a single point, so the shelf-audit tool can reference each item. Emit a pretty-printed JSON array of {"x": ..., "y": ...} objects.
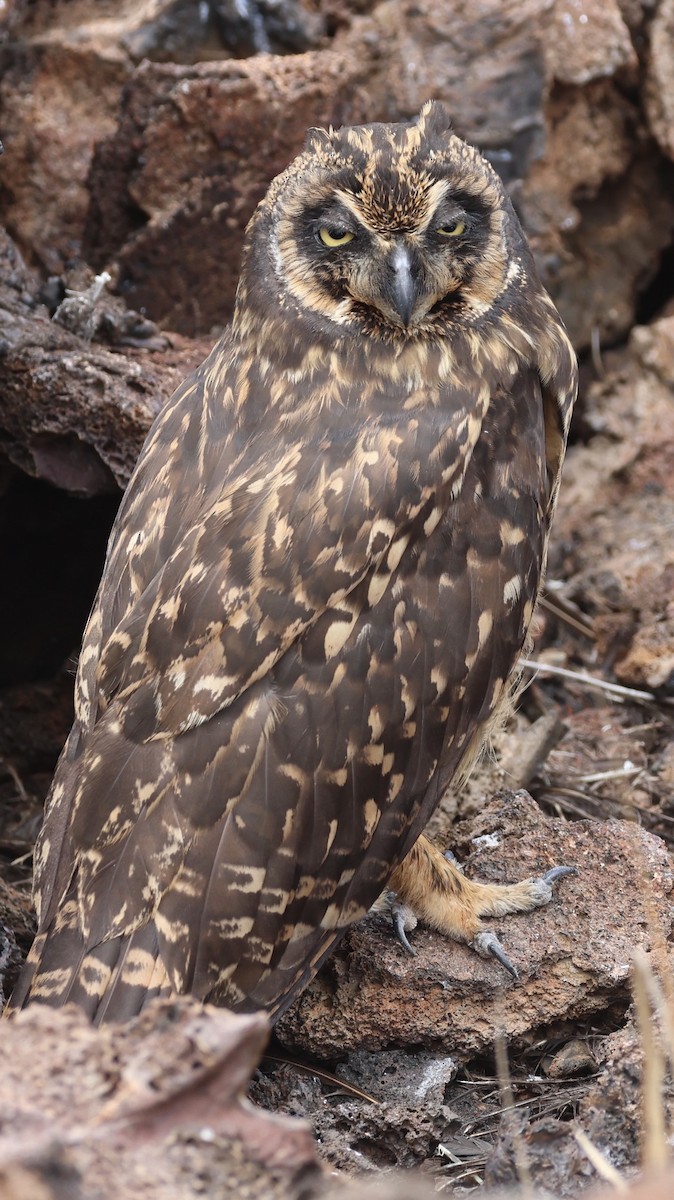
[{"x": 429, "y": 887}]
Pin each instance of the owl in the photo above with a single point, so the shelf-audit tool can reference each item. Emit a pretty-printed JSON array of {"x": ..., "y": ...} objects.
[{"x": 316, "y": 591}]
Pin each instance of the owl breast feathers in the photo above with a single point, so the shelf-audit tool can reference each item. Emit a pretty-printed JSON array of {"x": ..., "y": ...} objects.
[{"x": 317, "y": 586}]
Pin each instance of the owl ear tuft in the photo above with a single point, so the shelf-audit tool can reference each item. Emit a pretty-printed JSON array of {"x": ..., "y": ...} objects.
[
  {"x": 318, "y": 140},
  {"x": 434, "y": 119}
]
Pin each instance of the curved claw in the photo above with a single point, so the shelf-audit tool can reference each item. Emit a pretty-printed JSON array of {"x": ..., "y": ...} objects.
[
  {"x": 398, "y": 921},
  {"x": 541, "y": 887},
  {"x": 558, "y": 873},
  {"x": 487, "y": 944}
]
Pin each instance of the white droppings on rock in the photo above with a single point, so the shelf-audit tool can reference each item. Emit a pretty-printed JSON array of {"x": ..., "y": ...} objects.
[
  {"x": 435, "y": 1075},
  {"x": 486, "y": 841}
]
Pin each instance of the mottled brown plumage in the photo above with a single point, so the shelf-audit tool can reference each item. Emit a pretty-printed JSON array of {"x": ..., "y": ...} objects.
[{"x": 316, "y": 590}]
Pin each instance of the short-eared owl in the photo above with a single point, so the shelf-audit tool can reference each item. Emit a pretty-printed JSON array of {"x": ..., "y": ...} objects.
[{"x": 318, "y": 584}]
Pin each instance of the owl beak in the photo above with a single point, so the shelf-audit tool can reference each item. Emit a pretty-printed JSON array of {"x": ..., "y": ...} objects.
[{"x": 402, "y": 287}]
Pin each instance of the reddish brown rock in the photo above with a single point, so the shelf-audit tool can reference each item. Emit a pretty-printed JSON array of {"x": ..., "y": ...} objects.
[
  {"x": 588, "y": 39},
  {"x": 660, "y": 76},
  {"x": 154, "y": 1109},
  {"x": 58, "y": 97},
  {"x": 617, "y": 511},
  {"x": 187, "y": 151},
  {"x": 485, "y": 61},
  {"x": 73, "y": 413},
  {"x": 575, "y": 958},
  {"x": 572, "y": 955},
  {"x": 584, "y": 205}
]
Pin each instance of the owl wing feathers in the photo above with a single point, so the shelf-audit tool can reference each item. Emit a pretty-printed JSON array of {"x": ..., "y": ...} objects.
[
  {"x": 283, "y": 542},
  {"x": 239, "y": 588},
  {"x": 233, "y": 616}
]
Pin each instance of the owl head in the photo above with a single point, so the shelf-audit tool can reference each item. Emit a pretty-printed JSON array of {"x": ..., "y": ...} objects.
[{"x": 395, "y": 231}]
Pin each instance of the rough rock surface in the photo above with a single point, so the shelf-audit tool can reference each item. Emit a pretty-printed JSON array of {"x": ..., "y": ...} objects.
[
  {"x": 630, "y": 508},
  {"x": 573, "y": 956},
  {"x": 660, "y": 76},
  {"x": 150, "y": 1109},
  {"x": 400, "y": 1125},
  {"x": 611, "y": 1115},
  {"x": 74, "y": 413},
  {"x": 156, "y": 1109},
  {"x": 59, "y": 91}
]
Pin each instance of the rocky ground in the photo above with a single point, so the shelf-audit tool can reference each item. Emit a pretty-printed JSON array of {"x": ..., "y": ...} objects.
[{"x": 138, "y": 137}]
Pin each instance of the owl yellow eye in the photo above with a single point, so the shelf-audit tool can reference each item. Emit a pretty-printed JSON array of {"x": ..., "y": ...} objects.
[
  {"x": 454, "y": 229},
  {"x": 334, "y": 236}
]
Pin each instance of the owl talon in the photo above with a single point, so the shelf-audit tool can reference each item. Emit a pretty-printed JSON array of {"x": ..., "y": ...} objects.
[
  {"x": 558, "y": 873},
  {"x": 402, "y": 919},
  {"x": 541, "y": 888},
  {"x": 487, "y": 945},
  {"x": 450, "y": 856},
  {"x": 401, "y": 936}
]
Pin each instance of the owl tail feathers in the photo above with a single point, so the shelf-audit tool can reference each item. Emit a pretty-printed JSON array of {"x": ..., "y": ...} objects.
[{"x": 109, "y": 982}]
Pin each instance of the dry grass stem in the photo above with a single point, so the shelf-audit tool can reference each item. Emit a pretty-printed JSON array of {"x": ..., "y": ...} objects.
[
  {"x": 602, "y": 685},
  {"x": 567, "y": 618},
  {"x": 508, "y": 1102},
  {"x": 654, "y": 1152},
  {"x": 605, "y": 1169}
]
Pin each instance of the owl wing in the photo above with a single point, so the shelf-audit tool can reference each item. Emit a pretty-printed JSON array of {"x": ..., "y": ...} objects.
[
  {"x": 223, "y": 555},
  {"x": 201, "y": 803}
]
